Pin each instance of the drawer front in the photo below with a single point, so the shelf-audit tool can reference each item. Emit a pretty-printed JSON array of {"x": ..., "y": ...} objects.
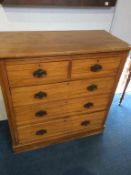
[
  {"x": 60, "y": 91},
  {"x": 39, "y": 94},
  {"x": 90, "y": 68},
  {"x": 37, "y": 73},
  {"x": 45, "y": 112},
  {"x": 58, "y": 128}
]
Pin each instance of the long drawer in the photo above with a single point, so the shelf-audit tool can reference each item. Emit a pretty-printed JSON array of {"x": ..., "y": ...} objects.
[
  {"x": 58, "y": 128},
  {"x": 45, "y": 112},
  {"x": 37, "y": 73},
  {"x": 66, "y": 90},
  {"x": 91, "y": 68}
]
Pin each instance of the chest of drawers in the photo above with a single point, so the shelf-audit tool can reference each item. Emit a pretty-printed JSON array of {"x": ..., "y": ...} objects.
[{"x": 58, "y": 86}]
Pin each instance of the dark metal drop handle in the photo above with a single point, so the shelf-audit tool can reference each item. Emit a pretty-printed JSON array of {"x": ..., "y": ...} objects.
[
  {"x": 40, "y": 95},
  {"x": 96, "y": 68},
  {"x": 40, "y": 73},
  {"x": 85, "y": 123},
  {"x": 92, "y": 87},
  {"x": 41, "y": 132},
  {"x": 88, "y": 105},
  {"x": 40, "y": 113}
]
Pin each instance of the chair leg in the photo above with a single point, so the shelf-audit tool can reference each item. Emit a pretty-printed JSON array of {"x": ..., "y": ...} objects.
[{"x": 123, "y": 93}]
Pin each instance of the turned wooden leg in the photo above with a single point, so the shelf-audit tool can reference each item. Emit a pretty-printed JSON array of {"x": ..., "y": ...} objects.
[{"x": 126, "y": 85}]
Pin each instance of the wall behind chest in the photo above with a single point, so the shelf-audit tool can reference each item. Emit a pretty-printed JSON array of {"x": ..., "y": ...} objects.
[
  {"x": 14, "y": 18},
  {"x": 29, "y": 19}
]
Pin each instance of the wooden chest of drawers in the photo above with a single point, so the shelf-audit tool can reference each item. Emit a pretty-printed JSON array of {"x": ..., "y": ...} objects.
[{"x": 58, "y": 85}]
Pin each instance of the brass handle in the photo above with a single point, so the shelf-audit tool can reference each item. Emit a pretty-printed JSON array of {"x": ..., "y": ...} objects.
[
  {"x": 96, "y": 68},
  {"x": 85, "y": 123},
  {"x": 92, "y": 87},
  {"x": 88, "y": 105},
  {"x": 40, "y": 73},
  {"x": 40, "y": 95},
  {"x": 40, "y": 113},
  {"x": 41, "y": 132}
]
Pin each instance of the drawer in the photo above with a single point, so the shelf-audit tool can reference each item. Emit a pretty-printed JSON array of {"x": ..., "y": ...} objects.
[
  {"x": 59, "y": 128},
  {"x": 90, "y": 68},
  {"x": 60, "y": 91},
  {"x": 39, "y": 94},
  {"x": 37, "y": 73},
  {"x": 45, "y": 112}
]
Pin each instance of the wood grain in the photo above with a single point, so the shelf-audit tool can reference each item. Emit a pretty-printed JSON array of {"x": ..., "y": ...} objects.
[
  {"x": 8, "y": 102},
  {"x": 23, "y": 74},
  {"x": 61, "y": 108},
  {"x": 58, "y": 128},
  {"x": 82, "y": 88},
  {"x": 65, "y": 108},
  {"x": 82, "y": 68},
  {"x": 60, "y": 91},
  {"x": 65, "y": 138},
  {"x": 39, "y": 44},
  {"x": 76, "y": 99},
  {"x": 54, "y": 92}
]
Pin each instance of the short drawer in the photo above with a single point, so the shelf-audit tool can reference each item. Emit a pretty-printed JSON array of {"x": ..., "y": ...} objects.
[
  {"x": 59, "y": 128},
  {"x": 49, "y": 111},
  {"x": 91, "y": 68},
  {"x": 37, "y": 73}
]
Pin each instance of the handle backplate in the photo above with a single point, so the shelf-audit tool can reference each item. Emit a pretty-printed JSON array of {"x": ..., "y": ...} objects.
[
  {"x": 92, "y": 87},
  {"x": 96, "y": 68},
  {"x": 40, "y": 95},
  {"x": 41, "y": 132},
  {"x": 89, "y": 105},
  {"x": 41, "y": 113},
  {"x": 85, "y": 123},
  {"x": 39, "y": 73}
]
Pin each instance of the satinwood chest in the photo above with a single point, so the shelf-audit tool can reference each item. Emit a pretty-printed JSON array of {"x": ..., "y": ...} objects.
[{"x": 58, "y": 86}]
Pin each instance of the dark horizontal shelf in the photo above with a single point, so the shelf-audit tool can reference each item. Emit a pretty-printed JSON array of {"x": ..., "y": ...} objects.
[{"x": 62, "y": 3}]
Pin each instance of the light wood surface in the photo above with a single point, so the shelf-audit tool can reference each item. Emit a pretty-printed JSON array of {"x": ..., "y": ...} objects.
[
  {"x": 61, "y": 127},
  {"x": 60, "y": 91},
  {"x": 32, "y": 44},
  {"x": 82, "y": 68},
  {"x": 61, "y": 87},
  {"x": 53, "y": 92},
  {"x": 64, "y": 108},
  {"x": 24, "y": 74}
]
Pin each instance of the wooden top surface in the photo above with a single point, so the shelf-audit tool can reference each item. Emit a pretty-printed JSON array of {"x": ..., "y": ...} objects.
[{"x": 37, "y": 44}]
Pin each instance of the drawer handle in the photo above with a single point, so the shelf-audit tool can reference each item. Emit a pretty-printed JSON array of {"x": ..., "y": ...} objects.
[
  {"x": 41, "y": 132},
  {"x": 96, "y": 68},
  {"x": 40, "y": 95},
  {"x": 40, "y": 73},
  {"x": 40, "y": 113},
  {"x": 88, "y": 105},
  {"x": 92, "y": 87},
  {"x": 85, "y": 123}
]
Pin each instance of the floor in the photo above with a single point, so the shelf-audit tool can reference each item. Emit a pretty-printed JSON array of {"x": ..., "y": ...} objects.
[{"x": 107, "y": 154}]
